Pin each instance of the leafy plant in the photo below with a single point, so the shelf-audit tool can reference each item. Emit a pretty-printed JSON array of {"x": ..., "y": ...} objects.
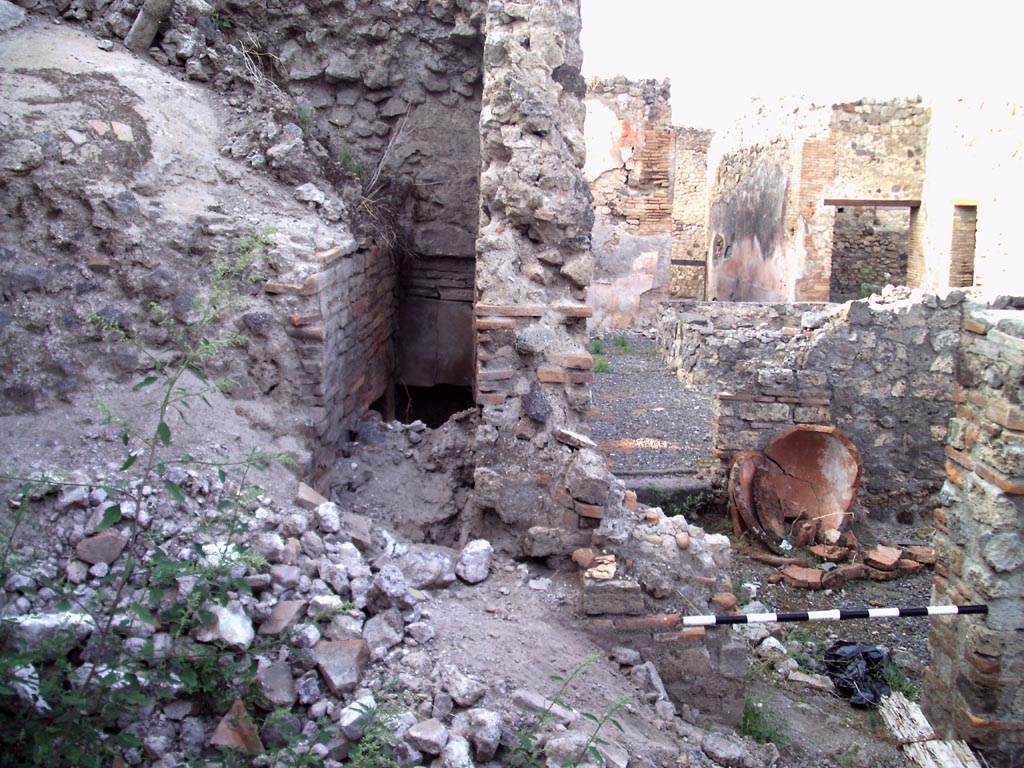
[
  {"x": 620, "y": 342},
  {"x": 898, "y": 680},
  {"x": 758, "y": 724},
  {"x": 350, "y": 164},
  {"x": 375, "y": 748},
  {"x": 525, "y": 748},
  {"x": 305, "y": 118},
  {"x": 67, "y": 715},
  {"x": 591, "y": 747},
  {"x": 223, "y": 22},
  {"x": 597, "y": 346},
  {"x": 601, "y": 365}
]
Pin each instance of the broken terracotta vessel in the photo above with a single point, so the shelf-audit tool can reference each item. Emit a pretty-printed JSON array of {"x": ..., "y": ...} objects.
[{"x": 800, "y": 488}]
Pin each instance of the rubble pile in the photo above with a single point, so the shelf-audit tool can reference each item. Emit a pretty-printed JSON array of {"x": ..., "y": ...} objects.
[{"x": 325, "y": 615}]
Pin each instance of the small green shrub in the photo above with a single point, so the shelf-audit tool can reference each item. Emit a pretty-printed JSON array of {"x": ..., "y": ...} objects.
[
  {"x": 601, "y": 365},
  {"x": 758, "y": 724},
  {"x": 375, "y": 749},
  {"x": 597, "y": 346},
  {"x": 305, "y": 118},
  {"x": 525, "y": 748},
  {"x": 350, "y": 165},
  {"x": 897, "y": 679},
  {"x": 621, "y": 342}
]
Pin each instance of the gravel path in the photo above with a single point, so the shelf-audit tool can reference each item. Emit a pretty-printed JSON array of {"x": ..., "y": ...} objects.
[{"x": 643, "y": 418}]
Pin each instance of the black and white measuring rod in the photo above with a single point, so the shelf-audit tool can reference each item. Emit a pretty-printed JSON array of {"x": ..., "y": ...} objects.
[{"x": 838, "y": 614}]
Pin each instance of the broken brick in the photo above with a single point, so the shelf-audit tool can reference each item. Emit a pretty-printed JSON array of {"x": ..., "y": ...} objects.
[
  {"x": 804, "y": 578},
  {"x": 882, "y": 557},
  {"x": 236, "y": 730}
]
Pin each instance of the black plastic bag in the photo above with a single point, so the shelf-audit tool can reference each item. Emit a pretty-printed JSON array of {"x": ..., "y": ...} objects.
[{"x": 857, "y": 672}]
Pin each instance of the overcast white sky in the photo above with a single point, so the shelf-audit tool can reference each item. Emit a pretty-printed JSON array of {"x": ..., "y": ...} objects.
[{"x": 719, "y": 53}]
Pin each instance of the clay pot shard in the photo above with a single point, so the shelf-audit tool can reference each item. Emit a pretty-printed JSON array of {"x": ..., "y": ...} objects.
[
  {"x": 800, "y": 487},
  {"x": 823, "y": 470}
]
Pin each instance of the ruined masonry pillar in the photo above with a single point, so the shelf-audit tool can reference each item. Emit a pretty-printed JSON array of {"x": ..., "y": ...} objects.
[
  {"x": 973, "y": 687},
  {"x": 533, "y": 266}
]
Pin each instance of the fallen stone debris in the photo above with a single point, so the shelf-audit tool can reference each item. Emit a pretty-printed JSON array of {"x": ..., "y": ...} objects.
[{"x": 331, "y": 630}]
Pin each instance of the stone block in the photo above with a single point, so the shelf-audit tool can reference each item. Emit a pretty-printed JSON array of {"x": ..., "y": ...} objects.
[
  {"x": 779, "y": 412},
  {"x": 104, "y": 547},
  {"x": 612, "y": 597},
  {"x": 341, "y": 663}
]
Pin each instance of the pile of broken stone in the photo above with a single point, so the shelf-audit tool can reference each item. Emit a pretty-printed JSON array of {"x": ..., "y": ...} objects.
[{"x": 335, "y": 604}]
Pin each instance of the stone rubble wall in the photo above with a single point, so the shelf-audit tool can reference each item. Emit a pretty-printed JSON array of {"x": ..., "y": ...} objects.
[
  {"x": 869, "y": 251},
  {"x": 880, "y": 148},
  {"x": 972, "y": 685},
  {"x": 880, "y": 370},
  {"x": 771, "y": 233},
  {"x": 533, "y": 268}
]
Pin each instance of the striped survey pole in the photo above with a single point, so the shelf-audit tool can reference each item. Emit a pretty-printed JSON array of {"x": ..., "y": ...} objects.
[
  {"x": 838, "y": 614},
  {"x": 675, "y": 621}
]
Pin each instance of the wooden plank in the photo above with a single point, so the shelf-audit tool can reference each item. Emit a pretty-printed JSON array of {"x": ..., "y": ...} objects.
[
  {"x": 921, "y": 746},
  {"x": 854, "y": 202}
]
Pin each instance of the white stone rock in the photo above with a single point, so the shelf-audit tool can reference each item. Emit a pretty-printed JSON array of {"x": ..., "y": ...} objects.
[
  {"x": 474, "y": 561},
  {"x": 230, "y": 626},
  {"x": 770, "y": 648},
  {"x": 328, "y": 517},
  {"x": 456, "y": 753},
  {"x": 356, "y": 716},
  {"x": 429, "y": 736}
]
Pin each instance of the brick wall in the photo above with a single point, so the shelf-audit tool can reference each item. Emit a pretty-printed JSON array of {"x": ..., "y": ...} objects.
[
  {"x": 961, "y": 251},
  {"x": 631, "y": 146},
  {"x": 341, "y": 320},
  {"x": 972, "y": 688},
  {"x": 817, "y": 172}
]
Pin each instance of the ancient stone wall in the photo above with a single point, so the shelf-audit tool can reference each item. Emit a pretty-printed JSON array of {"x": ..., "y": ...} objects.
[
  {"x": 689, "y": 214},
  {"x": 374, "y": 84},
  {"x": 533, "y": 268},
  {"x": 630, "y": 147},
  {"x": 880, "y": 148},
  {"x": 975, "y": 161},
  {"x": 881, "y": 371},
  {"x": 972, "y": 686},
  {"x": 869, "y": 250},
  {"x": 781, "y": 172}
]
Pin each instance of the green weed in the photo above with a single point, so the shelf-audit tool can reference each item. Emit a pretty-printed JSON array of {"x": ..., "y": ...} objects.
[
  {"x": 601, "y": 365},
  {"x": 305, "y": 118},
  {"x": 597, "y": 346},
  {"x": 898, "y": 680},
  {"x": 757, "y": 723},
  {"x": 620, "y": 342},
  {"x": 525, "y": 748},
  {"x": 58, "y": 714}
]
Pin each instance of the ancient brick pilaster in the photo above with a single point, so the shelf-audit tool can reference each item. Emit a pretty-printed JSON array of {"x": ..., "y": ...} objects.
[
  {"x": 973, "y": 685},
  {"x": 340, "y": 319}
]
